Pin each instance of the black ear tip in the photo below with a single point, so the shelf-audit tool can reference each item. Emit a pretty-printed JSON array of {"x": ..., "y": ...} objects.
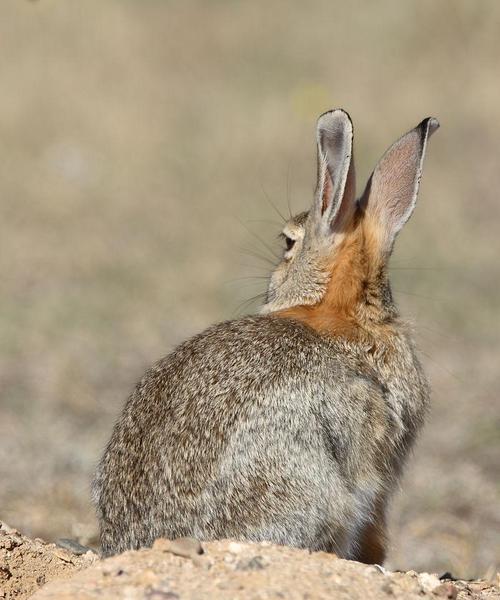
[{"x": 429, "y": 125}]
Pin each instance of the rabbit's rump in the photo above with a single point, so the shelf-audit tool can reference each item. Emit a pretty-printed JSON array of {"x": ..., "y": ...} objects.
[{"x": 257, "y": 429}]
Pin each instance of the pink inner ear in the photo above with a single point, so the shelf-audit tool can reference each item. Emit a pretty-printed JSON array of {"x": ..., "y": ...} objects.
[
  {"x": 395, "y": 183},
  {"x": 327, "y": 192}
]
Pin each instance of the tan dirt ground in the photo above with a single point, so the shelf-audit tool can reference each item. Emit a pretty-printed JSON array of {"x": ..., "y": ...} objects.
[
  {"x": 184, "y": 569},
  {"x": 26, "y": 565},
  {"x": 227, "y": 570}
]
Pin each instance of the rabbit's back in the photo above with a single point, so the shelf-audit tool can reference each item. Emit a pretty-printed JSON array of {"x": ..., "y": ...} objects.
[{"x": 257, "y": 429}]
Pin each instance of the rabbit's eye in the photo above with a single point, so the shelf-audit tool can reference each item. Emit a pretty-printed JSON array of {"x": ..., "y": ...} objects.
[{"x": 289, "y": 242}]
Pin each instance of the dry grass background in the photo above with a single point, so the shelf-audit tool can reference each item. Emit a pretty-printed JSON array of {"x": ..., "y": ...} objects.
[{"x": 139, "y": 139}]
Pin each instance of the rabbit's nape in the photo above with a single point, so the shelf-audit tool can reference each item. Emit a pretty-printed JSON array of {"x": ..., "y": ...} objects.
[{"x": 292, "y": 426}]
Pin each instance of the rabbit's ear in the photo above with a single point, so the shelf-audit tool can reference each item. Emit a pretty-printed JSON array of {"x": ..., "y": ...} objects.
[
  {"x": 335, "y": 191},
  {"x": 391, "y": 192}
]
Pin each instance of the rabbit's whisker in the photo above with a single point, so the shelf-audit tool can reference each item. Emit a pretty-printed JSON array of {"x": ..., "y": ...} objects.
[
  {"x": 430, "y": 298},
  {"x": 246, "y": 303},
  {"x": 443, "y": 368},
  {"x": 250, "y": 277},
  {"x": 266, "y": 195},
  {"x": 259, "y": 239},
  {"x": 256, "y": 254},
  {"x": 419, "y": 268},
  {"x": 256, "y": 270},
  {"x": 268, "y": 221},
  {"x": 288, "y": 189}
]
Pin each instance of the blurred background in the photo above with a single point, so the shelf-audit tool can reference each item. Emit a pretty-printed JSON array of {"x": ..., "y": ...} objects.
[{"x": 145, "y": 146}]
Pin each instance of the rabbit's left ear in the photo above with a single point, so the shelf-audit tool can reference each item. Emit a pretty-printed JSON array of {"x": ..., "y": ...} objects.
[
  {"x": 391, "y": 193},
  {"x": 335, "y": 190}
]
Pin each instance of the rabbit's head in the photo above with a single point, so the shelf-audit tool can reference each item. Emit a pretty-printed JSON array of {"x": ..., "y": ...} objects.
[{"x": 335, "y": 257}]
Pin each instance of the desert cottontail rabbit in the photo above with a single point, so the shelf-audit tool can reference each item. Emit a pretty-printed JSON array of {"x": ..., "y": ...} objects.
[{"x": 291, "y": 426}]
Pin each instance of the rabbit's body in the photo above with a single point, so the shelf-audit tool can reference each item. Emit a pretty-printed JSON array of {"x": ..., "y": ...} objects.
[
  {"x": 291, "y": 426},
  {"x": 226, "y": 439}
]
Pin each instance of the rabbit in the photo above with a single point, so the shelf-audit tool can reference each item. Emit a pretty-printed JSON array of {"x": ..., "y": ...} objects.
[{"x": 291, "y": 426}]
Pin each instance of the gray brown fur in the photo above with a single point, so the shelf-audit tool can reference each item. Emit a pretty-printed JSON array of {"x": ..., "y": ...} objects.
[{"x": 264, "y": 428}]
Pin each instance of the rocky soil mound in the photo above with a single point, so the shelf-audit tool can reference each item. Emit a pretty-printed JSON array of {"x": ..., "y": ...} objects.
[
  {"x": 26, "y": 565},
  {"x": 183, "y": 569}
]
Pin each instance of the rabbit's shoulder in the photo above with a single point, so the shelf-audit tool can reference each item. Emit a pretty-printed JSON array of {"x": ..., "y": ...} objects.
[
  {"x": 257, "y": 347},
  {"x": 255, "y": 360}
]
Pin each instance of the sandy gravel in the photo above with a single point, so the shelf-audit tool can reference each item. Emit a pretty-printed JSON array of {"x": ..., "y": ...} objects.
[
  {"x": 228, "y": 570},
  {"x": 187, "y": 570},
  {"x": 26, "y": 565}
]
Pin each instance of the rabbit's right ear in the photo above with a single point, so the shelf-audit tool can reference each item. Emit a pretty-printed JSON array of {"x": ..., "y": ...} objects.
[
  {"x": 336, "y": 190},
  {"x": 391, "y": 192}
]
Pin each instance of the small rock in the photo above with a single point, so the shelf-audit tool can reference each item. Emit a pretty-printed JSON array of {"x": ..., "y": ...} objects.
[
  {"x": 63, "y": 555},
  {"x": 113, "y": 570},
  {"x": 380, "y": 569},
  {"x": 479, "y": 585},
  {"x": 447, "y": 576},
  {"x": 387, "y": 588},
  {"x": 149, "y": 577},
  {"x": 254, "y": 564},
  {"x": 9, "y": 530},
  {"x": 8, "y": 544},
  {"x": 235, "y": 548},
  {"x": 446, "y": 590},
  {"x": 185, "y": 547},
  {"x": 72, "y": 546},
  {"x": 428, "y": 582},
  {"x": 154, "y": 594}
]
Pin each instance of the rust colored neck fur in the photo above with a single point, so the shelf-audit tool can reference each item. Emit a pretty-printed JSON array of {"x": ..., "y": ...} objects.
[{"x": 358, "y": 301}]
